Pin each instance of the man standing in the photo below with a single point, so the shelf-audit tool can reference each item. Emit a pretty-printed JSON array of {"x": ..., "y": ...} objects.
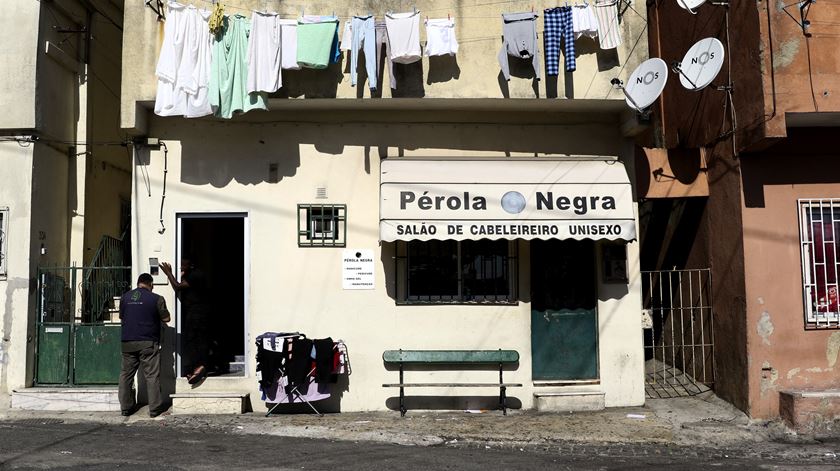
[{"x": 142, "y": 313}]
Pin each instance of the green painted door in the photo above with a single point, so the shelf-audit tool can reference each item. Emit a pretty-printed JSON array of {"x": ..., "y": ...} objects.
[
  {"x": 98, "y": 354},
  {"x": 564, "y": 320},
  {"x": 54, "y": 353}
]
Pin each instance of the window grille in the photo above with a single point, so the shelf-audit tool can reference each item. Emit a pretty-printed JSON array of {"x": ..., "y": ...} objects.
[
  {"x": 819, "y": 226},
  {"x": 4, "y": 230},
  {"x": 453, "y": 272},
  {"x": 322, "y": 225}
]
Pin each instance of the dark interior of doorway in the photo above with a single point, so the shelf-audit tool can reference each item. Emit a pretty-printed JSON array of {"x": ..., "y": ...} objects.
[{"x": 216, "y": 247}]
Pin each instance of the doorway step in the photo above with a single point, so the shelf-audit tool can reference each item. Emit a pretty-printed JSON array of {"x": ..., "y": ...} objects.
[
  {"x": 210, "y": 402},
  {"x": 810, "y": 411},
  {"x": 569, "y": 401},
  {"x": 66, "y": 399}
]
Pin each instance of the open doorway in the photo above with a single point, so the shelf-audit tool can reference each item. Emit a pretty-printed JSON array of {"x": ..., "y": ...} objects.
[{"x": 214, "y": 245}]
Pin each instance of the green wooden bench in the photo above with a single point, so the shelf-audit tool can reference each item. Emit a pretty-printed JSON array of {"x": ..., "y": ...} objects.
[{"x": 452, "y": 357}]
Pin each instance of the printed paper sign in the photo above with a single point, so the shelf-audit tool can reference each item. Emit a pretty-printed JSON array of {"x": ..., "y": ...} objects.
[{"x": 357, "y": 269}]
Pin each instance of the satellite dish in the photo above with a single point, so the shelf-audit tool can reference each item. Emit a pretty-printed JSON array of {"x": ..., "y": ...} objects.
[
  {"x": 690, "y": 5},
  {"x": 646, "y": 83},
  {"x": 701, "y": 64}
]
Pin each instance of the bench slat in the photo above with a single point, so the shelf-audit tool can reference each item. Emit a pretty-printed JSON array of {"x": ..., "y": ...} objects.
[
  {"x": 451, "y": 385},
  {"x": 450, "y": 356}
]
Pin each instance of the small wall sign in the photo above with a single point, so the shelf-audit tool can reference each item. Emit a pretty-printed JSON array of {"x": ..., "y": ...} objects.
[
  {"x": 614, "y": 260},
  {"x": 357, "y": 269}
]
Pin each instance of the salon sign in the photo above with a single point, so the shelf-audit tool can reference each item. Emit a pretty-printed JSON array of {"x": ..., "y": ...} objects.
[{"x": 505, "y": 199}]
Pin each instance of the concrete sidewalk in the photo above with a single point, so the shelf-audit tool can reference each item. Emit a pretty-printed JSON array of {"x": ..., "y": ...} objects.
[{"x": 686, "y": 424}]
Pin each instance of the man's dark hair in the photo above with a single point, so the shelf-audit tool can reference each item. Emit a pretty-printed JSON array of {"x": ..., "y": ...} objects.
[{"x": 145, "y": 279}]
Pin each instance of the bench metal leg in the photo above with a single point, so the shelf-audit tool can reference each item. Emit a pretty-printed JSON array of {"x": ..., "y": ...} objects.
[
  {"x": 503, "y": 400},
  {"x": 502, "y": 391},
  {"x": 402, "y": 393}
]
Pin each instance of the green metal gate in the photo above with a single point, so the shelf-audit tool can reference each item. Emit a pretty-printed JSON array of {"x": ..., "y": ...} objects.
[{"x": 78, "y": 341}]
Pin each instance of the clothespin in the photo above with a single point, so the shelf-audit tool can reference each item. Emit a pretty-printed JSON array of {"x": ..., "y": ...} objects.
[{"x": 449, "y": 17}]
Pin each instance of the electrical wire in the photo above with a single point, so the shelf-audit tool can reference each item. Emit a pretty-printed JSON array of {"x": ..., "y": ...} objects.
[{"x": 163, "y": 193}]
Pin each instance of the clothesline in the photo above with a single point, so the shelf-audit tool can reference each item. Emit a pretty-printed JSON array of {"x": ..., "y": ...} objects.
[{"x": 626, "y": 3}]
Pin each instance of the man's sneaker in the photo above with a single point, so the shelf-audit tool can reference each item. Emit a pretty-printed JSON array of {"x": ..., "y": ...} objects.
[{"x": 127, "y": 413}]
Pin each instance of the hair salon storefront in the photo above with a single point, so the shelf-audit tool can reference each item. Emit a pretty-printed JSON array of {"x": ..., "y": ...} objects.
[{"x": 471, "y": 249}]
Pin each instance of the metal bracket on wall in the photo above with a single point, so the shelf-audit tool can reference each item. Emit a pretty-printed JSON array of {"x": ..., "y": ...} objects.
[
  {"x": 157, "y": 7},
  {"x": 804, "y": 9}
]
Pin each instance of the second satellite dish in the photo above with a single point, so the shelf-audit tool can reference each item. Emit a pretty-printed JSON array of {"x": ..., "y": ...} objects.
[
  {"x": 690, "y": 5},
  {"x": 701, "y": 64},
  {"x": 646, "y": 83}
]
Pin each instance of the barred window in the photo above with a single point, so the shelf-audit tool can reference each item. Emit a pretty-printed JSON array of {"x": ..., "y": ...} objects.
[
  {"x": 819, "y": 226},
  {"x": 448, "y": 271},
  {"x": 322, "y": 225},
  {"x": 4, "y": 230}
]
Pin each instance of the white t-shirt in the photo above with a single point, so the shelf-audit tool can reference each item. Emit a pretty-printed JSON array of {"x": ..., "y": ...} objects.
[
  {"x": 264, "y": 53},
  {"x": 404, "y": 36}
]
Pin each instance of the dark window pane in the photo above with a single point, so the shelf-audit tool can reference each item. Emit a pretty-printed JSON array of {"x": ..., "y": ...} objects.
[
  {"x": 433, "y": 269},
  {"x": 484, "y": 269}
]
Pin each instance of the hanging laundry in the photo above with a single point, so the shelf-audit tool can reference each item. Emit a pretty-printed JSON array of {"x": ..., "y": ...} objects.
[
  {"x": 584, "y": 22},
  {"x": 609, "y": 32},
  {"x": 440, "y": 37},
  {"x": 183, "y": 67},
  {"x": 404, "y": 37},
  {"x": 347, "y": 36},
  {"x": 288, "y": 45},
  {"x": 558, "y": 26},
  {"x": 382, "y": 42},
  {"x": 364, "y": 36},
  {"x": 317, "y": 41},
  {"x": 215, "y": 21},
  {"x": 264, "y": 57},
  {"x": 229, "y": 71},
  {"x": 282, "y": 392},
  {"x": 520, "y": 41}
]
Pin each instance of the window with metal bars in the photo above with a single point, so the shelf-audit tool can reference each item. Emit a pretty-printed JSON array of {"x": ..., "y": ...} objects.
[
  {"x": 322, "y": 225},
  {"x": 4, "y": 230},
  {"x": 819, "y": 226},
  {"x": 448, "y": 271}
]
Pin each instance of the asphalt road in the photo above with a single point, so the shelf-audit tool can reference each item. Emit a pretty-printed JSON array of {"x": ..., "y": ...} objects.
[{"x": 46, "y": 444}]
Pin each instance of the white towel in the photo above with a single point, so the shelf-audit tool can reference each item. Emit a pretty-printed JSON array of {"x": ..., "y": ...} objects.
[
  {"x": 609, "y": 32},
  {"x": 440, "y": 37}
]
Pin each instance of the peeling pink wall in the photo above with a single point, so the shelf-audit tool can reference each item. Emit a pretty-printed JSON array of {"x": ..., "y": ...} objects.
[{"x": 781, "y": 354}]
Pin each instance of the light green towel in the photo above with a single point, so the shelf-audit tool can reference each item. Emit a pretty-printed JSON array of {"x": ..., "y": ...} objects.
[
  {"x": 314, "y": 44},
  {"x": 229, "y": 70}
]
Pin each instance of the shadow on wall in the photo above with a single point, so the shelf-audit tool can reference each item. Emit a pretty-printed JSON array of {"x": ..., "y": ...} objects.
[
  {"x": 476, "y": 403},
  {"x": 220, "y": 152},
  {"x": 519, "y": 68},
  {"x": 808, "y": 148}
]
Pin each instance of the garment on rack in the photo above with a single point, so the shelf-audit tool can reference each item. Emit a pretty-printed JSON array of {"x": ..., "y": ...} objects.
[
  {"x": 584, "y": 22},
  {"x": 520, "y": 41},
  {"x": 229, "y": 71},
  {"x": 609, "y": 30},
  {"x": 440, "y": 37},
  {"x": 299, "y": 365},
  {"x": 382, "y": 42},
  {"x": 404, "y": 37},
  {"x": 558, "y": 28},
  {"x": 183, "y": 67},
  {"x": 364, "y": 36},
  {"x": 342, "y": 359},
  {"x": 288, "y": 45},
  {"x": 317, "y": 41},
  {"x": 264, "y": 59},
  {"x": 308, "y": 391},
  {"x": 324, "y": 359}
]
